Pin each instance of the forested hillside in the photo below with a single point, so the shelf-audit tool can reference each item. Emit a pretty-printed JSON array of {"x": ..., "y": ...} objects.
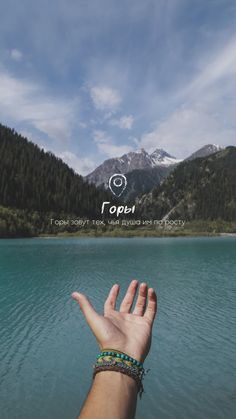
[
  {"x": 141, "y": 181},
  {"x": 36, "y": 185},
  {"x": 201, "y": 189},
  {"x": 33, "y": 179}
]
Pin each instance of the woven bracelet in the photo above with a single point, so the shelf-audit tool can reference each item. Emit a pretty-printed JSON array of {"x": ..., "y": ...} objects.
[
  {"x": 106, "y": 361},
  {"x": 121, "y": 355}
]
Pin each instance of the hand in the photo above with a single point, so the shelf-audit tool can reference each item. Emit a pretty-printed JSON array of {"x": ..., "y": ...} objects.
[{"x": 122, "y": 330}]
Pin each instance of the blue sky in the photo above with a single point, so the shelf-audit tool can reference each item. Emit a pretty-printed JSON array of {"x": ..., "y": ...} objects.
[{"x": 94, "y": 79}]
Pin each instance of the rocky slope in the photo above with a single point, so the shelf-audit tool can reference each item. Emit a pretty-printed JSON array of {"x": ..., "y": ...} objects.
[
  {"x": 205, "y": 151},
  {"x": 139, "y": 160}
]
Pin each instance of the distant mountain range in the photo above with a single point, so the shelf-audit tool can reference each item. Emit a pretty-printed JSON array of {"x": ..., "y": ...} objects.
[
  {"x": 139, "y": 160},
  {"x": 144, "y": 171}
]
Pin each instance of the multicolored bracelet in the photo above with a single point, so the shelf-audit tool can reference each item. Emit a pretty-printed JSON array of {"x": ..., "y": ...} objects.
[
  {"x": 113, "y": 360},
  {"x": 120, "y": 355}
]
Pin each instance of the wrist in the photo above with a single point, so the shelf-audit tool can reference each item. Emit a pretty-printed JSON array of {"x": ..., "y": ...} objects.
[
  {"x": 116, "y": 380},
  {"x": 113, "y": 360}
]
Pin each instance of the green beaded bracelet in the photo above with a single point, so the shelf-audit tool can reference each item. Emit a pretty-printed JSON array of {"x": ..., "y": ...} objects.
[{"x": 121, "y": 355}]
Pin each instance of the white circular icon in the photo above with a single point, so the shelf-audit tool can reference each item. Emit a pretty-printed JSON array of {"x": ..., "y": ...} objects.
[{"x": 117, "y": 184}]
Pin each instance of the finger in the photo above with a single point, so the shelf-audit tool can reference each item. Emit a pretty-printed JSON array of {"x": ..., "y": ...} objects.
[
  {"x": 151, "y": 309},
  {"x": 141, "y": 300},
  {"x": 110, "y": 303},
  {"x": 127, "y": 302},
  {"x": 86, "y": 307}
]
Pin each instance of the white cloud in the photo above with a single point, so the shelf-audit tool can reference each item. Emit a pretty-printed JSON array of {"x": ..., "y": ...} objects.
[
  {"x": 83, "y": 166},
  {"x": 125, "y": 122},
  {"x": 16, "y": 54},
  {"x": 106, "y": 146},
  {"x": 105, "y": 98},
  {"x": 26, "y": 102},
  {"x": 186, "y": 130}
]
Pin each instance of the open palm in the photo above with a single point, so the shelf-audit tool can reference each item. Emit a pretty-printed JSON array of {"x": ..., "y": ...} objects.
[{"x": 122, "y": 330}]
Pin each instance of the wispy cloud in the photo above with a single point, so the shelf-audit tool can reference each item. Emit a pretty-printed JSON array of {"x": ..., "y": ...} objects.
[
  {"x": 105, "y": 98},
  {"x": 221, "y": 66},
  {"x": 188, "y": 129},
  {"x": 82, "y": 166},
  {"x": 29, "y": 103},
  {"x": 205, "y": 113},
  {"x": 16, "y": 54},
  {"x": 125, "y": 122},
  {"x": 106, "y": 145}
]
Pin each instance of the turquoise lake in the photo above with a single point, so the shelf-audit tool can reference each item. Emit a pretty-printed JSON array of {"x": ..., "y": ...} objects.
[{"x": 47, "y": 350}]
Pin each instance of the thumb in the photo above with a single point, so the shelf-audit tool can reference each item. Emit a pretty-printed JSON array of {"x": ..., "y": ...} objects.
[{"x": 86, "y": 307}]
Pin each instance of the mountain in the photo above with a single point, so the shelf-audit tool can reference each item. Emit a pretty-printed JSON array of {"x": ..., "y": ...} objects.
[
  {"x": 199, "y": 189},
  {"x": 139, "y": 160},
  {"x": 143, "y": 171},
  {"x": 205, "y": 151},
  {"x": 160, "y": 157},
  {"x": 142, "y": 181},
  {"x": 34, "y": 180}
]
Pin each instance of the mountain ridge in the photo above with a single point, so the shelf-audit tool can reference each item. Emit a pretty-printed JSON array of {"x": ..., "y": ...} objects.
[
  {"x": 205, "y": 151},
  {"x": 37, "y": 180},
  {"x": 143, "y": 171},
  {"x": 142, "y": 160},
  {"x": 202, "y": 188},
  {"x": 134, "y": 160}
]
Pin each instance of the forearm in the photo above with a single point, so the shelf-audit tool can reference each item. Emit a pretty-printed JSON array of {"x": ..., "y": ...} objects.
[{"x": 112, "y": 395}]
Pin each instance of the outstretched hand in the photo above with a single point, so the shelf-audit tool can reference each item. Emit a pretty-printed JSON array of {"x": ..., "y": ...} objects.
[{"x": 123, "y": 330}]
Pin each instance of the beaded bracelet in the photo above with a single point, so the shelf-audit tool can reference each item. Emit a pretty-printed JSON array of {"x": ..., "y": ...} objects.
[
  {"x": 112, "y": 360},
  {"x": 121, "y": 355}
]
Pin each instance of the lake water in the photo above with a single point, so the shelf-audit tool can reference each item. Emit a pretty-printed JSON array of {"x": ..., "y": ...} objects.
[{"x": 47, "y": 351}]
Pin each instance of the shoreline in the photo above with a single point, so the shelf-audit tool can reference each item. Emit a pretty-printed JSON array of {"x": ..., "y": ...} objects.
[
  {"x": 200, "y": 229},
  {"x": 131, "y": 235}
]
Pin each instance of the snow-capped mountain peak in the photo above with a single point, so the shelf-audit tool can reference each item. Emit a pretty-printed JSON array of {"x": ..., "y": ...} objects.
[
  {"x": 134, "y": 160},
  {"x": 142, "y": 160},
  {"x": 217, "y": 147},
  {"x": 161, "y": 158},
  {"x": 205, "y": 151}
]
